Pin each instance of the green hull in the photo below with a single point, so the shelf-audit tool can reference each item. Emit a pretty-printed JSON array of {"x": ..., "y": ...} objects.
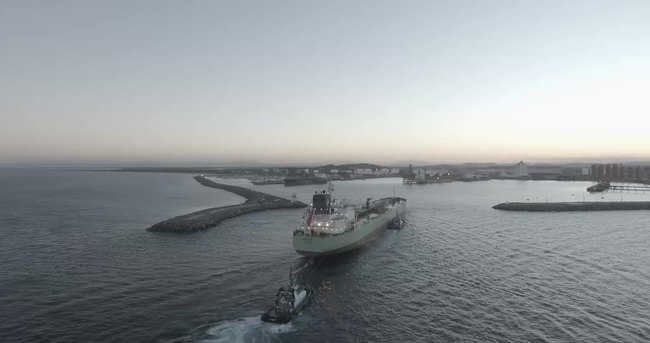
[{"x": 366, "y": 231}]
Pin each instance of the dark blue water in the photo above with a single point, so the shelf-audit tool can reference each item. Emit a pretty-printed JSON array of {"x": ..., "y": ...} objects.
[{"x": 77, "y": 265}]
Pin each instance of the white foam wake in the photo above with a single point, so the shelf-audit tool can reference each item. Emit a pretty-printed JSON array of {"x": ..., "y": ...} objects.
[{"x": 249, "y": 329}]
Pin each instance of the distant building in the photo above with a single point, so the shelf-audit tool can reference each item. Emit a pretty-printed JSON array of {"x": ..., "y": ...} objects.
[
  {"x": 616, "y": 171},
  {"x": 608, "y": 172},
  {"x": 520, "y": 169},
  {"x": 394, "y": 171},
  {"x": 594, "y": 171},
  {"x": 420, "y": 174},
  {"x": 601, "y": 172}
]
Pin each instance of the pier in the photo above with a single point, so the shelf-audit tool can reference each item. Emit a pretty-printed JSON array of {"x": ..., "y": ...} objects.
[
  {"x": 573, "y": 206},
  {"x": 605, "y": 186},
  {"x": 202, "y": 220}
]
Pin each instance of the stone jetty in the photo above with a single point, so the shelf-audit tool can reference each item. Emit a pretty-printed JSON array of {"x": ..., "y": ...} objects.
[
  {"x": 201, "y": 220},
  {"x": 573, "y": 206}
]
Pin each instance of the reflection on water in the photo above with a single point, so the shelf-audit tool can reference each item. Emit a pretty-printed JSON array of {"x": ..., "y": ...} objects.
[{"x": 78, "y": 265}]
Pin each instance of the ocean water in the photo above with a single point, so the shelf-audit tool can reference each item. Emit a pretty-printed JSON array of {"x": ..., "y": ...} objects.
[{"x": 77, "y": 265}]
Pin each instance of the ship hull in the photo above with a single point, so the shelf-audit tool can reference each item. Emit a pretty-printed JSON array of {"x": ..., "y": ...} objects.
[{"x": 336, "y": 244}]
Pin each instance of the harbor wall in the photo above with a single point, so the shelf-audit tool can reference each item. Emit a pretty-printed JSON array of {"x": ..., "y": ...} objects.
[{"x": 573, "y": 206}]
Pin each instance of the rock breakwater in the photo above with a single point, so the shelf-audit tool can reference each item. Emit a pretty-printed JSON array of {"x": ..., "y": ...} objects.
[
  {"x": 202, "y": 220},
  {"x": 573, "y": 206}
]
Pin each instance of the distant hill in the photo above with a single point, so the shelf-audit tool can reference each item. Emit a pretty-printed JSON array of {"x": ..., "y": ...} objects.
[
  {"x": 478, "y": 165},
  {"x": 413, "y": 162},
  {"x": 352, "y": 166}
]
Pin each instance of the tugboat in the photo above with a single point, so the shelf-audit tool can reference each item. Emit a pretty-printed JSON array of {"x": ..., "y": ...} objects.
[
  {"x": 396, "y": 224},
  {"x": 289, "y": 301}
]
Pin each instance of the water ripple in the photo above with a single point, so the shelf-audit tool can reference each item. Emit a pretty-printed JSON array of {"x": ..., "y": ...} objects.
[{"x": 83, "y": 269}]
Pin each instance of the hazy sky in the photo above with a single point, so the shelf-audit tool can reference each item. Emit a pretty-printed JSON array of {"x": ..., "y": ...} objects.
[{"x": 311, "y": 81}]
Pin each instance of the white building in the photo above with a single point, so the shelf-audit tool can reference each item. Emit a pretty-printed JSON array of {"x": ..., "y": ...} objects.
[
  {"x": 394, "y": 171},
  {"x": 520, "y": 169}
]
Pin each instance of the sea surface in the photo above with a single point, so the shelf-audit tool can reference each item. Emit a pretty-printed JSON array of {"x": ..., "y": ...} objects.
[{"x": 77, "y": 265}]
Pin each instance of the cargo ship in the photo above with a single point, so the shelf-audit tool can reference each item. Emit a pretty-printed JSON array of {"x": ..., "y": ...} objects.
[{"x": 333, "y": 227}]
